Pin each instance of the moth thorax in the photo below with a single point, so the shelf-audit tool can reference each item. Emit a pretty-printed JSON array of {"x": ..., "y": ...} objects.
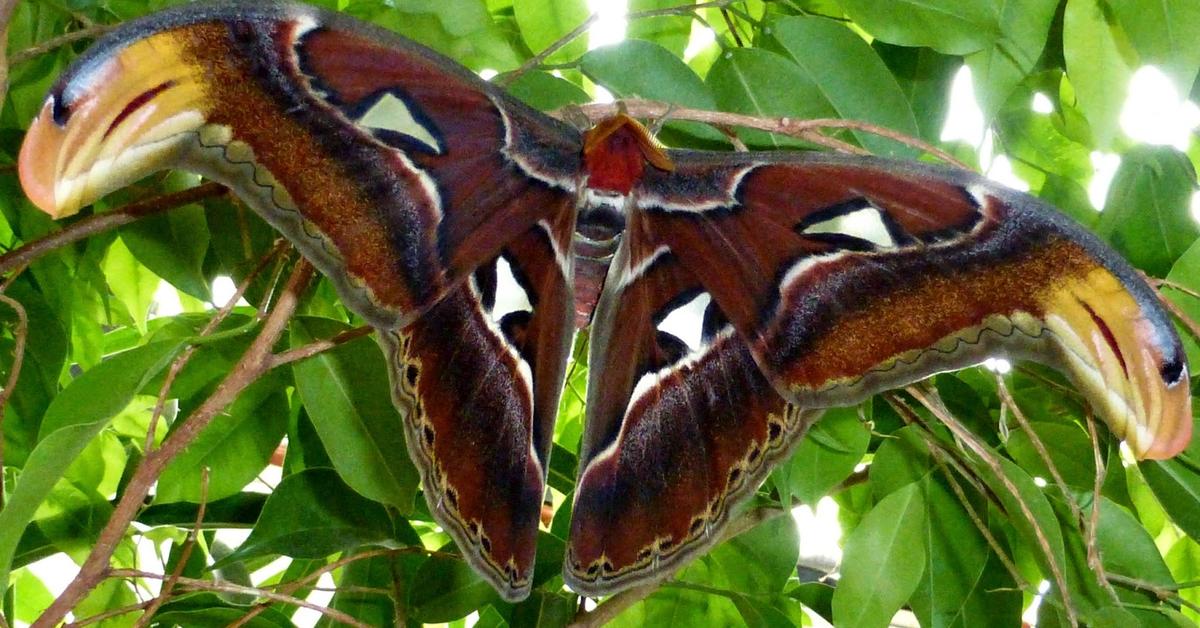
[{"x": 615, "y": 154}]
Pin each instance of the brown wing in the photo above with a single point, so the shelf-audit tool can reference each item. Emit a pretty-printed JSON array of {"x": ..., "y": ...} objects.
[{"x": 405, "y": 178}]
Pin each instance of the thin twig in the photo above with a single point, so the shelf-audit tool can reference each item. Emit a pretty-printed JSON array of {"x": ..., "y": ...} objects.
[
  {"x": 1091, "y": 531},
  {"x": 1179, "y": 314},
  {"x": 185, "y": 555},
  {"x": 20, "y": 334},
  {"x": 1174, "y": 285},
  {"x": 222, "y": 586},
  {"x": 783, "y": 126},
  {"x": 250, "y": 367},
  {"x": 993, "y": 463},
  {"x": 1161, "y": 592},
  {"x": 53, "y": 43},
  {"x": 100, "y": 223},
  {"x": 291, "y": 587},
  {"x": 540, "y": 58},
  {"x": 6, "y": 12},
  {"x": 319, "y": 346},
  {"x": 945, "y": 459},
  {"x": 116, "y": 612}
]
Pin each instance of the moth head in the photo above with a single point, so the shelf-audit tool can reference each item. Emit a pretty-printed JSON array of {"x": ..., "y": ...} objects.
[
  {"x": 616, "y": 151},
  {"x": 126, "y": 110}
]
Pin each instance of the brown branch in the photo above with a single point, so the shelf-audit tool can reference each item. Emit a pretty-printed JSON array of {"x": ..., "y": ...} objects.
[
  {"x": 99, "y": 223},
  {"x": 164, "y": 593},
  {"x": 180, "y": 362},
  {"x": 253, "y": 363},
  {"x": 20, "y": 334},
  {"x": 91, "y": 32},
  {"x": 221, "y": 586}
]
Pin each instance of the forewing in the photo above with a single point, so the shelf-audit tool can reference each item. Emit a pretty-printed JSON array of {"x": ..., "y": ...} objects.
[
  {"x": 850, "y": 275},
  {"x": 395, "y": 170}
]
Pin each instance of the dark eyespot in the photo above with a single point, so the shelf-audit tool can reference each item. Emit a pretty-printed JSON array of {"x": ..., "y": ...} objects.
[
  {"x": 774, "y": 430},
  {"x": 1173, "y": 370},
  {"x": 428, "y": 434},
  {"x": 59, "y": 112},
  {"x": 411, "y": 374}
]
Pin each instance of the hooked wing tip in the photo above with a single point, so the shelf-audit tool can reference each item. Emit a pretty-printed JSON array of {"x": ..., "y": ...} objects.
[
  {"x": 123, "y": 115},
  {"x": 1129, "y": 362}
]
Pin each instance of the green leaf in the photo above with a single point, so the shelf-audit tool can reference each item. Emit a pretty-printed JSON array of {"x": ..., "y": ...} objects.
[
  {"x": 1184, "y": 562},
  {"x": 1126, "y": 548},
  {"x": 546, "y": 91},
  {"x": 827, "y": 53},
  {"x": 1163, "y": 33},
  {"x": 446, "y": 589},
  {"x": 826, "y": 455},
  {"x": 207, "y": 610},
  {"x": 1069, "y": 448},
  {"x": 924, "y": 76},
  {"x": 1176, "y": 483},
  {"x": 762, "y": 83},
  {"x": 130, "y": 282},
  {"x": 999, "y": 68},
  {"x": 669, "y": 31},
  {"x": 544, "y": 22},
  {"x": 235, "y": 447},
  {"x": 671, "y": 606},
  {"x": 313, "y": 514},
  {"x": 73, "y": 419},
  {"x": 1146, "y": 217},
  {"x": 543, "y": 608},
  {"x": 1099, "y": 63},
  {"x": 881, "y": 558},
  {"x": 348, "y": 398},
  {"x": 109, "y": 595},
  {"x": 948, "y": 26},
  {"x": 756, "y": 562},
  {"x": 1028, "y": 510},
  {"x": 641, "y": 69},
  {"x": 900, "y": 461},
  {"x": 31, "y": 596},
  {"x": 354, "y": 598},
  {"x": 173, "y": 246}
]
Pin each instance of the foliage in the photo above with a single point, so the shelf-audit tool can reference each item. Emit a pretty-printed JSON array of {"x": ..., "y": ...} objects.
[{"x": 958, "y": 537}]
